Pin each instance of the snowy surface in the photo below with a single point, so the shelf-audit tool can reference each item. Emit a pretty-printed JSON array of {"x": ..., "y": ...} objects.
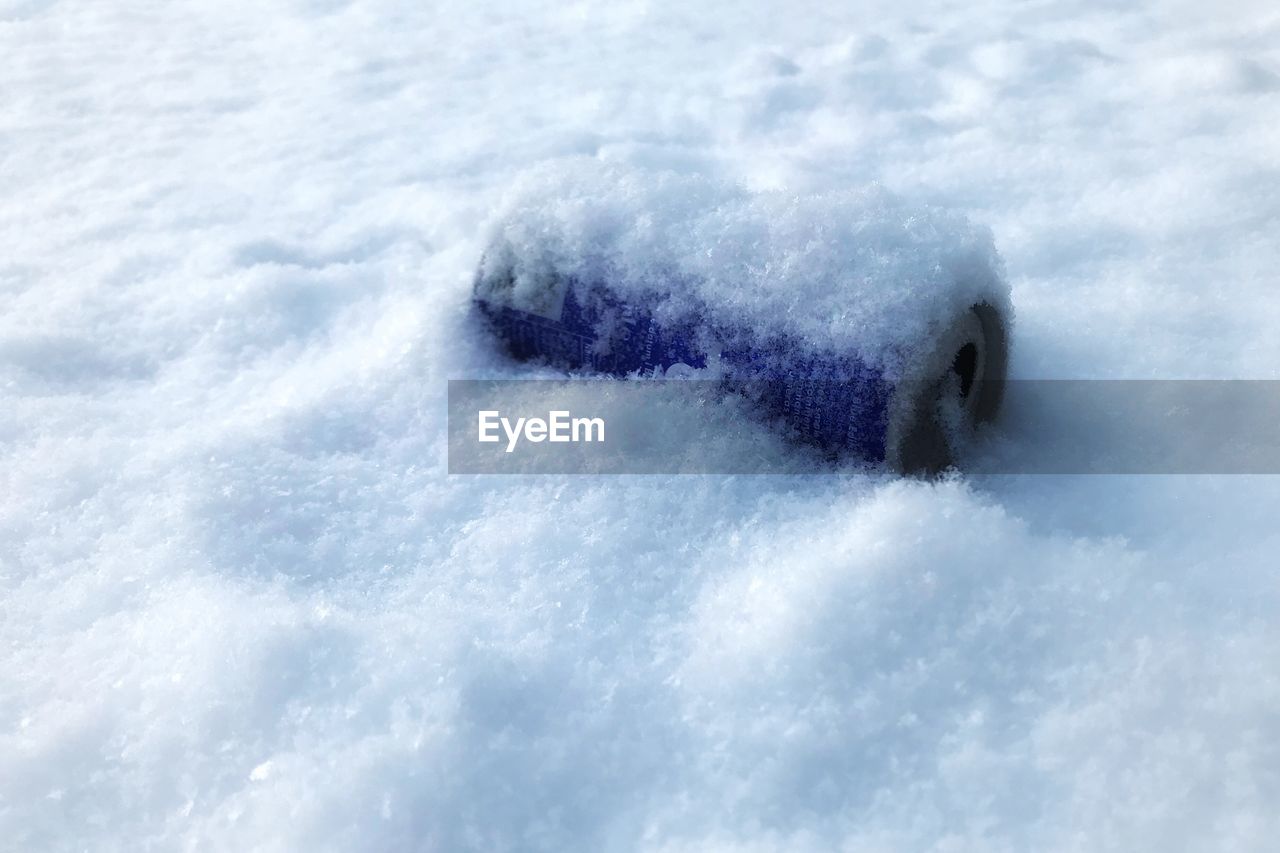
[
  {"x": 856, "y": 271},
  {"x": 242, "y": 606}
]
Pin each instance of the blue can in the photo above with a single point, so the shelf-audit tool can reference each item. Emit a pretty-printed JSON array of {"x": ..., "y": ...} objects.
[{"x": 836, "y": 402}]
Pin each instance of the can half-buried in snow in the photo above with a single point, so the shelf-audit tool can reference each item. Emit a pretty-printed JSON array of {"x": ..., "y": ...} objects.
[{"x": 602, "y": 304}]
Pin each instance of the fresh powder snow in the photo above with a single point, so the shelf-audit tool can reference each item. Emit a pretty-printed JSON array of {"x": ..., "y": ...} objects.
[
  {"x": 761, "y": 261},
  {"x": 243, "y": 606}
]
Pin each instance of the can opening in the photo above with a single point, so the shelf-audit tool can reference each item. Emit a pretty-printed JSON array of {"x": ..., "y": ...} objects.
[
  {"x": 965, "y": 365},
  {"x": 938, "y": 410}
]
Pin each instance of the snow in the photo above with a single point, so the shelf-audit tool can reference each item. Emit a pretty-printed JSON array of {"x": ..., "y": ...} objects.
[
  {"x": 243, "y": 606},
  {"x": 856, "y": 271}
]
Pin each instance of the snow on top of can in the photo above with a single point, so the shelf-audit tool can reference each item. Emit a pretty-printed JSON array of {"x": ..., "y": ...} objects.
[{"x": 854, "y": 270}]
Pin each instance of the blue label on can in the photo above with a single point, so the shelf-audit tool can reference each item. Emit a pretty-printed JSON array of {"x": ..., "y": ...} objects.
[{"x": 835, "y": 402}]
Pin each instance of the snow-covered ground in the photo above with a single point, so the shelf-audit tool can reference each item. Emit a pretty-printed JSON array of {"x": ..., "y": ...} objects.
[{"x": 243, "y": 607}]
